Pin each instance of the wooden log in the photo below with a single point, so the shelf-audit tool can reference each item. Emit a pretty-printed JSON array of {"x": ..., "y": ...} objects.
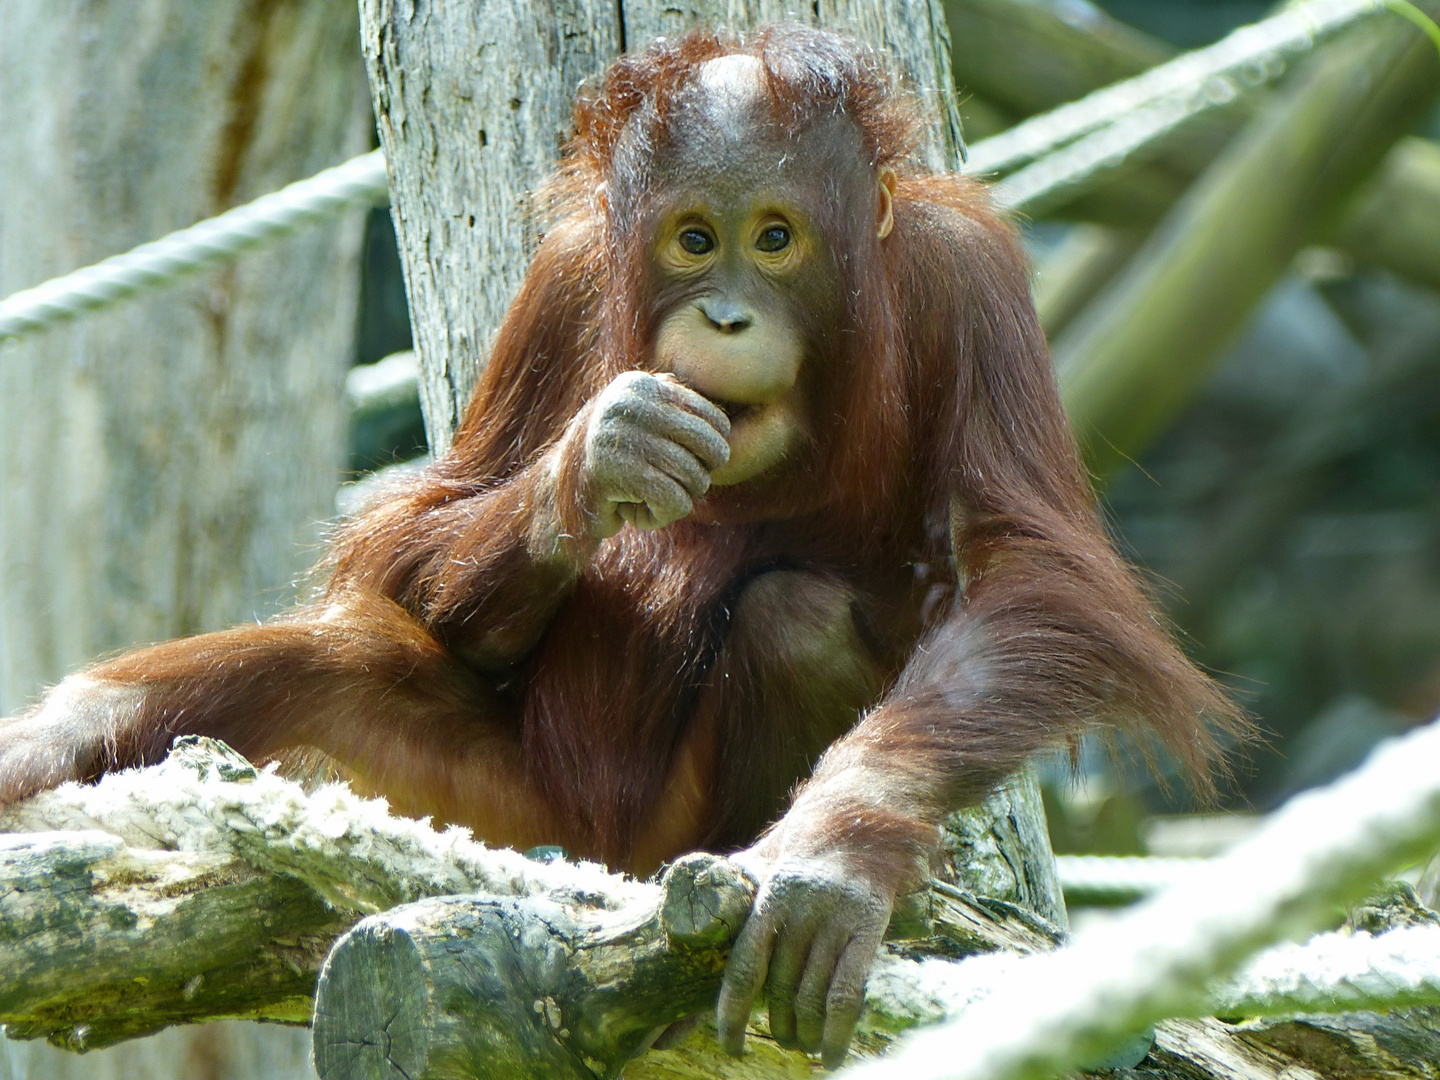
[
  {"x": 162, "y": 904},
  {"x": 524, "y": 989},
  {"x": 202, "y": 888},
  {"x": 104, "y": 942},
  {"x": 1138, "y": 353},
  {"x": 532, "y": 989},
  {"x": 475, "y": 988}
]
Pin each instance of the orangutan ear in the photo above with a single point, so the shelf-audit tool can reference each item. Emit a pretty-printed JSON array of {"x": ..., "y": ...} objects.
[{"x": 885, "y": 212}]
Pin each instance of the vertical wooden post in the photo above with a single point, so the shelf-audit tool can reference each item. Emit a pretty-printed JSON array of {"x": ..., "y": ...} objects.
[{"x": 162, "y": 464}]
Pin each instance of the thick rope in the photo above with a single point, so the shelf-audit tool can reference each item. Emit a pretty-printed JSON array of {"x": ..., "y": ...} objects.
[
  {"x": 362, "y": 181},
  {"x": 1067, "y": 145},
  {"x": 1337, "y": 973},
  {"x": 1055, "y": 1012},
  {"x": 1106, "y": 879},
  {"x": 1045, "y": 158},
  {"x": 1330, "y": 973},
  {"x": 1250, "y": 56}
]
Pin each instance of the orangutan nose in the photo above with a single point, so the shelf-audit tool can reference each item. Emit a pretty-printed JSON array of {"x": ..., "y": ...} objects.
[{"x": 725, "y": 316}]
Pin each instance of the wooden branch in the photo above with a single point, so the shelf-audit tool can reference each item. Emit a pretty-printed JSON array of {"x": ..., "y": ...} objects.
[
  {"x": 104, "y": 942},
  {"x": 204, "y": 888},
  {"x": 525, "y": 989},
  {"x": 221, "y": 888}
]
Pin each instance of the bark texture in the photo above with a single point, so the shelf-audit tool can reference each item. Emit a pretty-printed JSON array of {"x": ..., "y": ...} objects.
[
  {"x": 163, "y": 465},
  {"x": 201, "y": 888},
  {"x": 473, "y": 104}
]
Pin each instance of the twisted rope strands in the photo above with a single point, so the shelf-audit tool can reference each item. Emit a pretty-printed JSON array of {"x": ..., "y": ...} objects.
[
  {"x": 1194, "y": 81},
  {"x": 1058, "y": 1011},
  {"x": 1091, "y": 878},
  {"x": 1044, "y": 159},
  {"x": 361, "y": 181},
  {"x": 1330, "y": 973}
]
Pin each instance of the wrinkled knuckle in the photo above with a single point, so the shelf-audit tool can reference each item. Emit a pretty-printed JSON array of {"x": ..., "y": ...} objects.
[
  {"x": 783, "y": 989},
  {"x": 810, "y": 1008},
  {"x": 633, "y": 382},
  {"x": 742, "y": 977},
  {"x": 845, "y": 996}
]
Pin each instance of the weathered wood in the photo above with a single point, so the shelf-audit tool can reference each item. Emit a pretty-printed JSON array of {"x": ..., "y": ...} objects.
[
  {"x": 473, "y": 105},
  {"x": 222, "y": 888},
  {"x": 105, "y": 942},
  {"x": 491, "y": 988},
  {"x": 1134, "y": 357},
  {"x": 1001, "y": 850},
  {"x": 163, "y": 465},
  {"x": 523, "y": 988},
  {"x": 193, "y": 889},
  {"x": 476, "y": 988}
]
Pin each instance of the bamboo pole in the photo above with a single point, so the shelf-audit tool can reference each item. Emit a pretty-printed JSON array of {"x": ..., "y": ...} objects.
[{"x": 1135, "y": 357}]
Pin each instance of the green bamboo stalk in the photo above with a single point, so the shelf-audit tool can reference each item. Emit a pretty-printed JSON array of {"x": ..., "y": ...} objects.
[
  {"x": 1028, "y": 56},
  {"x": 1133, "y": 359},
  {"x": 1394, "y": 220}
]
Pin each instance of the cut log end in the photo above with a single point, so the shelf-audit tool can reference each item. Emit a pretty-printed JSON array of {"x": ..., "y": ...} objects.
[
  {"x": 707, "y": 899},
  {"x": 370, "y": 1015}
]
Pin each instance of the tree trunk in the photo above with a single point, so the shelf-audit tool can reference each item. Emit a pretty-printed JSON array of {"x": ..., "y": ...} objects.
[
  {"x": 163, "y": 465},
  {"x": 473, "y": 106}
]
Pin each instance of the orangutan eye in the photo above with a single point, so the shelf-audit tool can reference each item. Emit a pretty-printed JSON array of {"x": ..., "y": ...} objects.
[
  {"x": 697, "y": 241},
  {"x": 775, "y": 238}
]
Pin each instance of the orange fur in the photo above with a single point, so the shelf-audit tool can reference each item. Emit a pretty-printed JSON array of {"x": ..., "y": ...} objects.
[{"x": 928, "y": 584}]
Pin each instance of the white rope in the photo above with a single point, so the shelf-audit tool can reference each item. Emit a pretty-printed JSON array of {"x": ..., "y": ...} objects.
[
  {"x": 1102, "y": 878},
  {"x": 1330, "y": 973},
  {"x": 1118, "y": 120},
  {"x": 1195, "y": 81},
  {"x": 1055, "y": 1012},
  {"x": 361, "y": 181},
  {"x": 1337, "y": 973}
]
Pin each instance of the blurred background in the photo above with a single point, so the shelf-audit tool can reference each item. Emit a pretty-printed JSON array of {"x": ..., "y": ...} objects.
[
  {"x": 169, "y": 466},
  {"x": 1288, "y": 505}
]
